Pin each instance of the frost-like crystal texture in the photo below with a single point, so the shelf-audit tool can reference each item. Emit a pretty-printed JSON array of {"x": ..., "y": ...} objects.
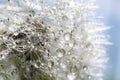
[{"x": 51, "y": 40}]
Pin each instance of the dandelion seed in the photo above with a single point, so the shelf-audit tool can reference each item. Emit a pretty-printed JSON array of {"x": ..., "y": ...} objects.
[{"x": 51, "y": 40}]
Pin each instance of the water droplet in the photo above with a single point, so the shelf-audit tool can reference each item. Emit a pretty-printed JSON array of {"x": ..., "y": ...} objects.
[
  {"x": 60, "y": 52},
  {"x": 89, "y": 77},
  {"x": 61, "y": 31},
  {"x": 64, "y": 17},
  {"x": 81, "y": 59},
  {"x": 32, "y": 13},
  {"x": 68, "y": 52},
  {"x": 71, "y": 76},
  {"x": 82, "y": 46},
  {"x": 73, "y": 58},
  {"x": 50, "y": 64},
  {"x": 52, "y": 35},
  {"x": 54, "y": 8},
  {"x": 63, "y": 66},
  {"x": 67, "y": 36},
  {"x": 67, "y": 61},
  {"x": 73, "y": 68},
  {"x": 85, "y": 68},
  {"x": 71, "y": 43}
]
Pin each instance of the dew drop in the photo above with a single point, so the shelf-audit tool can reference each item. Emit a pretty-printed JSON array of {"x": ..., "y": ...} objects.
[
  {"x": 89, "y": 77},
  {"x": 60, "y": 32},
  {"x": 81, "y": 59},
  {"x": 63, "y": 66},
  {"x": 85, "y": 68},
  {"x": 51, "y": 64},
  {"x": 64, "y": 17},
  {"x": 71, "y": 44},
  {"x": 32, "y": 13},
  {"x": 60, "y": 52},
  {"x": 68, "y": 52},
  {"x": 73, "y": 58},
  {"x": 52, "y": 35},
  {"x": 67, "y": 36},
  {"x": 71, "y": 76},
  {"x": 74, "y": 69}
]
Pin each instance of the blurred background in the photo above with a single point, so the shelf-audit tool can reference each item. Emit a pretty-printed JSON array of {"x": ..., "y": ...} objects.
[{"x": 110, "y": 10}]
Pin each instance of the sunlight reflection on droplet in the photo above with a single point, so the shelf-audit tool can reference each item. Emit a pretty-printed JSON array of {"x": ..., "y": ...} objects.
[
  {"x": 67, "y": 36},
  {"x": 71, "y": 76},
  {"x": 84, "y": 68},
  {"x": 60, "y": 52}
]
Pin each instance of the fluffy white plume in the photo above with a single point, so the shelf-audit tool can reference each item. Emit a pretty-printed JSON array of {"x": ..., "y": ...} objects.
[{"x": 51, "y": 40}]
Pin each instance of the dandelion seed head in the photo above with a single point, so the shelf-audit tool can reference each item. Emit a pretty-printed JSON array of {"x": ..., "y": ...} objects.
[{"x": 55, "y": 38}]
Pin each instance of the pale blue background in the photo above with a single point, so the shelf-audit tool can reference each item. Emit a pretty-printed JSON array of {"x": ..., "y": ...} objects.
[{"x": 110, "y": 9}]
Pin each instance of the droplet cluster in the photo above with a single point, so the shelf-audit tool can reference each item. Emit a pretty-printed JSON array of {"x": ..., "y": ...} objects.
[{"x": 51, "y": 40}]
